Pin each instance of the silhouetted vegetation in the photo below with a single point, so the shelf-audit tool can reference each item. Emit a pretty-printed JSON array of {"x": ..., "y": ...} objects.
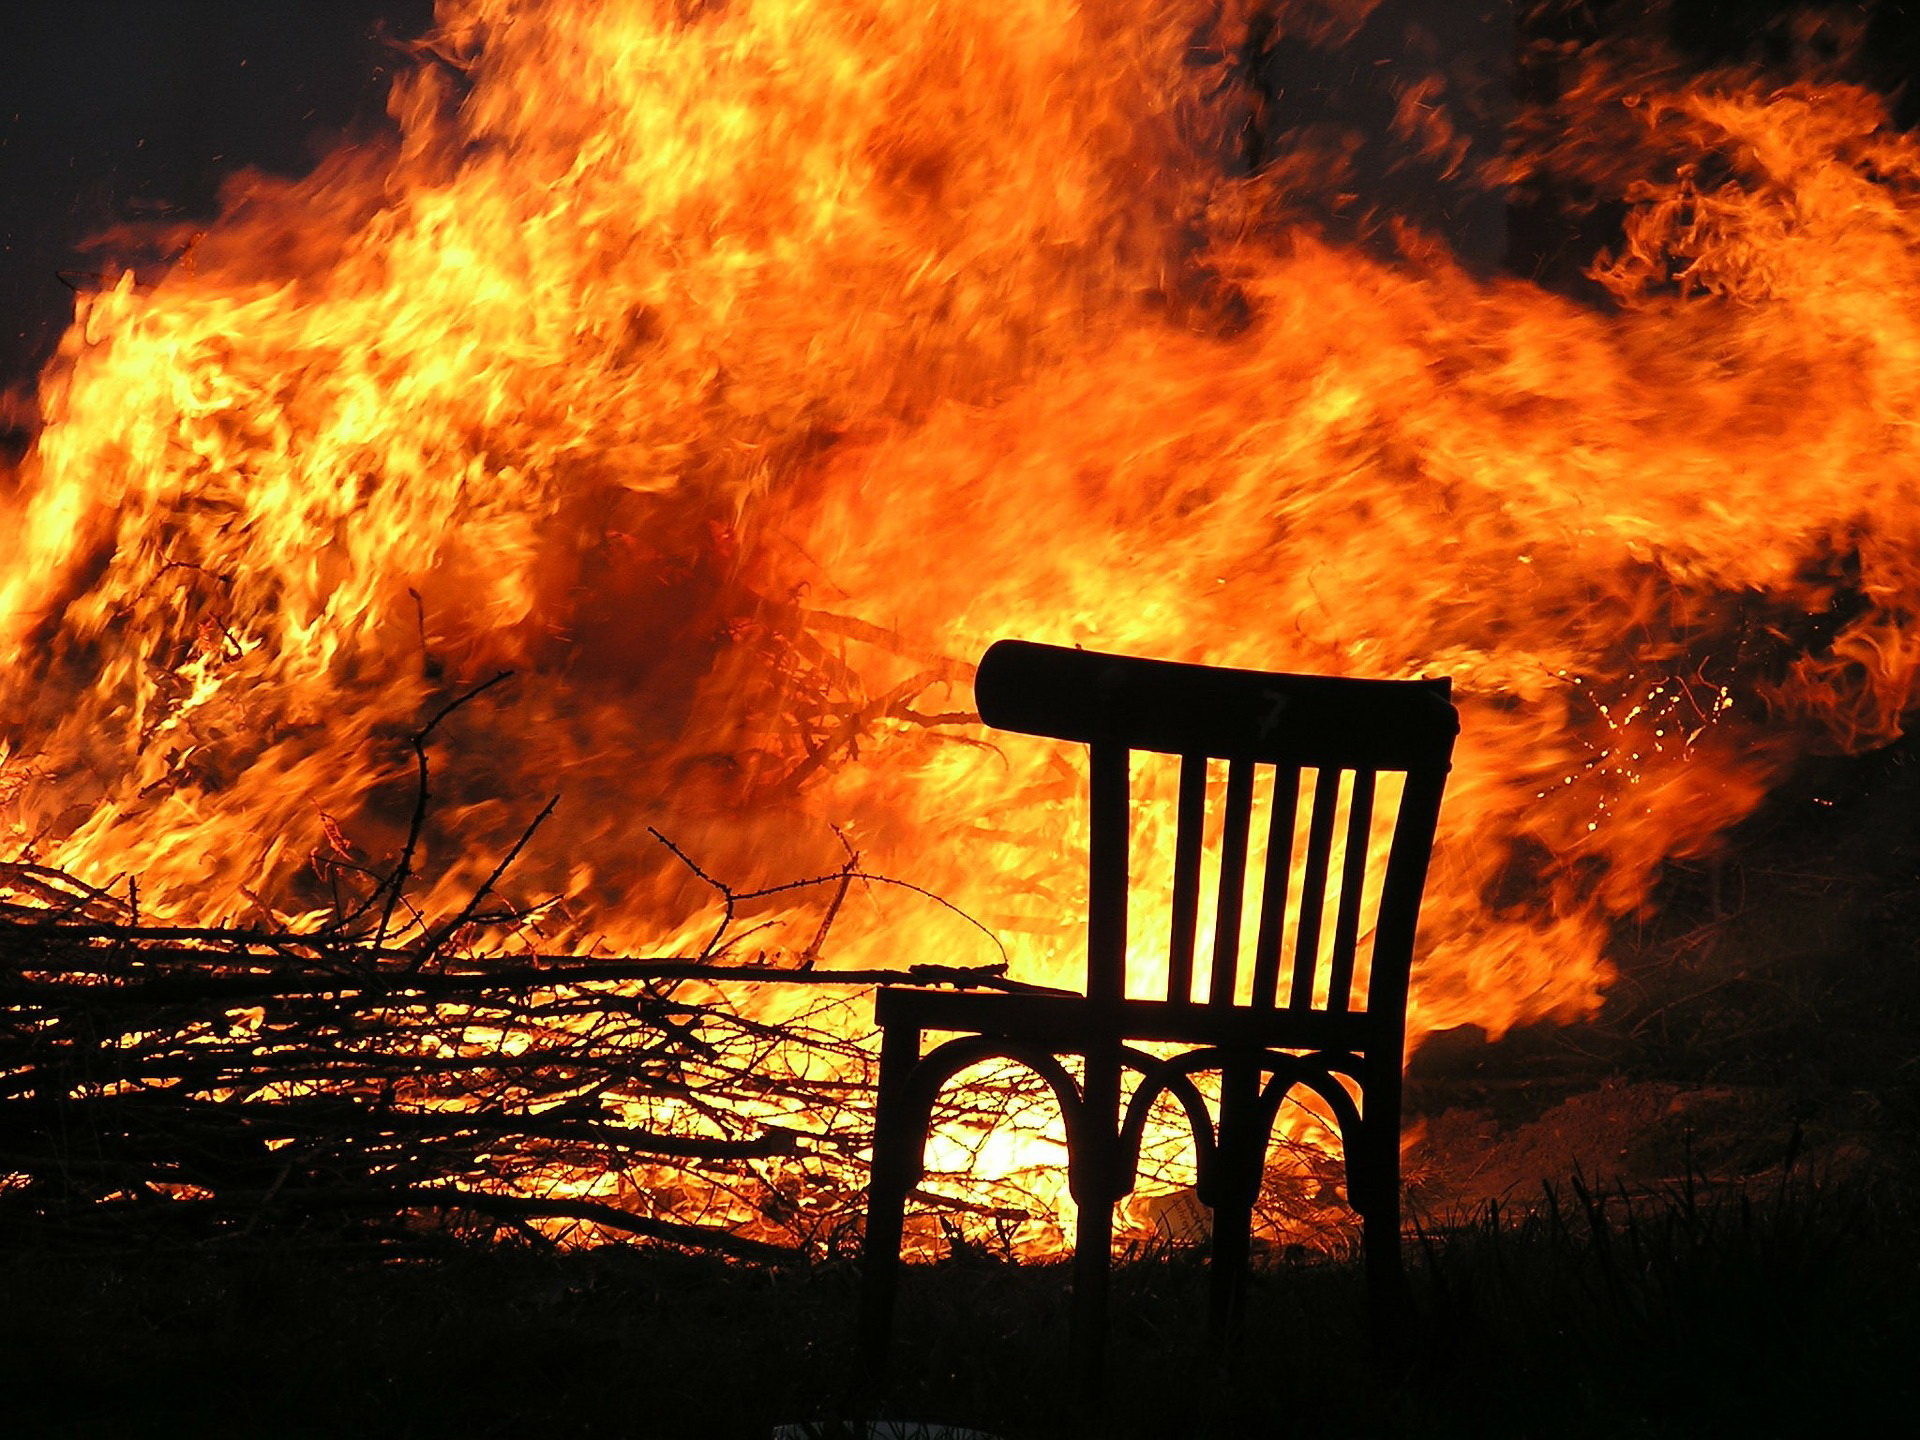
[{"x": 1693, "y": 1312}]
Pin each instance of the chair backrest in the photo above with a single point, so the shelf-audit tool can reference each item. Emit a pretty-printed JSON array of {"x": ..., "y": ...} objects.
[{"x": 1334, "y": 727}]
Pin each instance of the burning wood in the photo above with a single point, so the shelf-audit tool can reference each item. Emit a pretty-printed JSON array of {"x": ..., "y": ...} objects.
[
  {"x": 209, "y": 1081},
  {"x": 267, "y": 1078}
]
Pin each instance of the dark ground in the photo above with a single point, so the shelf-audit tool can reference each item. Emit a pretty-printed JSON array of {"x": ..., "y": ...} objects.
[
  {"x": 1749, "y": 1318},
  {"x": 1693, "y": 1215}
]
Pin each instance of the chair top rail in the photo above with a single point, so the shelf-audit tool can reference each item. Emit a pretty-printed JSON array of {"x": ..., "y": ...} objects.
[{"x": 1178, "y": 709}]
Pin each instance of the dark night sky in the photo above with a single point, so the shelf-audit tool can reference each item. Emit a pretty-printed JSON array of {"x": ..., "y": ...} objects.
[
  {"x": 113, "y": 110},
  {"x": 117, "y": 110}
]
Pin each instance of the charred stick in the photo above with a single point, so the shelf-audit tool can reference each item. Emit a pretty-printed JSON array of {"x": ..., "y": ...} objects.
[
  {"x": 262, "y": 1120},
  {"x": 449, "y": 982},
  {"x": 555, "y": 1208}
]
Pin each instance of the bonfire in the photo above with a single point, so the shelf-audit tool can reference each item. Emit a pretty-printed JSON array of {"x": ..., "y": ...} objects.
[{"x": 460, "y": 604}]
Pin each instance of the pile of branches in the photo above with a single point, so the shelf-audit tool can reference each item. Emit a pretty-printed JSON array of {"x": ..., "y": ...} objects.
[
  {"x": 167, "y": 1080},
  {"x": 380, "y": 1077}
]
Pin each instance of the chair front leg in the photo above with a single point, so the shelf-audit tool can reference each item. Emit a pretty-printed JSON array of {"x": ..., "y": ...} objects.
[
  {"x": 896, "y": 1153},
  {"x": 1095, "y": 1164},
  {"x": 1092, "y": 1267}
]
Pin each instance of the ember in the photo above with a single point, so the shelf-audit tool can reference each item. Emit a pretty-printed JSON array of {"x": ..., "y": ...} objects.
[{"x": 733, "y": 374}]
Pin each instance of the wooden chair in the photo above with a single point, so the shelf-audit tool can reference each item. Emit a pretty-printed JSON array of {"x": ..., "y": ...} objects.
[{"x": 1316, "y": 1032}]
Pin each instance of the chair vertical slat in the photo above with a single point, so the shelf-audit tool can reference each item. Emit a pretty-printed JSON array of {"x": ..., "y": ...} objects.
[
  {"x": 1313, "y": 888},
  {"x": 1353, "y": 879},
  {"x": 1415, "y": 820},
  {"x": 1273, "y": 892},
  {"x": 1189, "y": 840},
  {"x": 1107, "y": 873},
  {"x": 1233, "y": 880}
]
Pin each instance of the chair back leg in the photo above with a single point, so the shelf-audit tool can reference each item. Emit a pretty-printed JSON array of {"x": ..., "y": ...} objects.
[
  {"x": 1239, "y": 1164},
  {"x": 1227, "y": 1269},
  {"x": 1373, "y": 1185}
]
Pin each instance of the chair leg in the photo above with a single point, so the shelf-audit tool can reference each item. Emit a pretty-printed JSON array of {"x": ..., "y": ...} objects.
[
  {"x": 880, "y": 1270},
  {"x": 1240, "y": 1161},
  {"x": 1227, "y": 1268},
  {"x": 1095, "y": 1174},
  {"x": 1376, "y": 1191},
  {"x": 1386, "y": 1285},
  {"x": 1092, "y": 1269},
  {"x": 887, "y": 1186}
]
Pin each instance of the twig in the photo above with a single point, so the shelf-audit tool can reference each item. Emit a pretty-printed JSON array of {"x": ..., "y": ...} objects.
[
  {"x": 403, "y": 867},
  {"x": 434, "y": 939},
  {"x": 733, "y": 898}
]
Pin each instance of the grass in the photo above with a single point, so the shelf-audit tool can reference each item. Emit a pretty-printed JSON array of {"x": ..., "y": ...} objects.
[
  {"x": 1683, "y": 1313},
  {"x": 1692, "y": 1312}
]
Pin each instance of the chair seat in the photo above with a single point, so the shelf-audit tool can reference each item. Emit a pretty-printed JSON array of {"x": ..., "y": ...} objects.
[{"x": 1069, "y": 1022}]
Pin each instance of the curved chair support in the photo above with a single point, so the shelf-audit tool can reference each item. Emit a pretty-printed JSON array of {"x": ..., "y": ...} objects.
[
  {"x": 1174, "y": 1077},
  {"x": 940, "y": 1064},
  {"x": 1317, "y": 1078},
  {"x": 909, "y": 1084},
  {"x": 1371, "y": 1178}
]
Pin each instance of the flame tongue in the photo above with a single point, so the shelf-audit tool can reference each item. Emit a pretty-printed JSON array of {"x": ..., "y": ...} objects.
[{"x": 735, "y": 375}]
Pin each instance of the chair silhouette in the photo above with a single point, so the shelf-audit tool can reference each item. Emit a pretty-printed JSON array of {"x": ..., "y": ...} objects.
[{"x": 1340, "y": 1017}]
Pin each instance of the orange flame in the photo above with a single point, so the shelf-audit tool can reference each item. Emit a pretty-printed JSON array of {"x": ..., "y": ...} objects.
[{"x": 735, "y": 373}]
